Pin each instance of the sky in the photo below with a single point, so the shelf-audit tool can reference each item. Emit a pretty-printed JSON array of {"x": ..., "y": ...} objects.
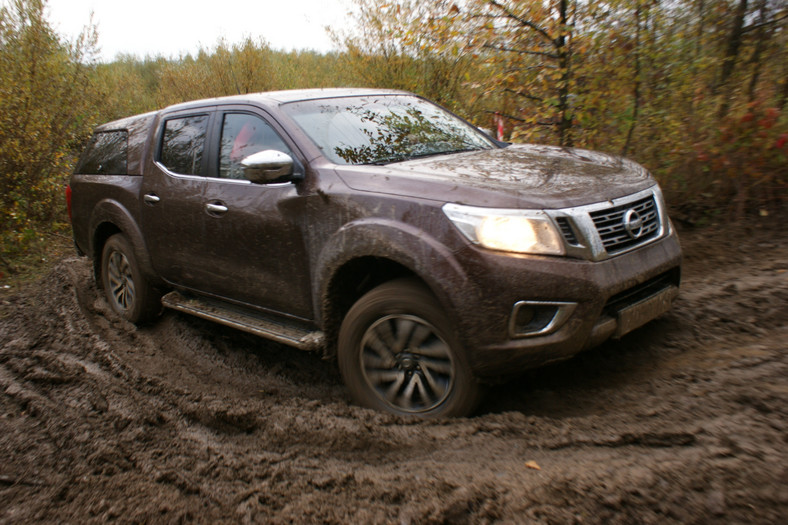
[{"x": 172, "y": 28}]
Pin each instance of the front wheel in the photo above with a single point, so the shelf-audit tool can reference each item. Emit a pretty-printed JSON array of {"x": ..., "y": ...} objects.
[
  {"x": 127, "y": 291},
  {"x": 398, "y": 353}
]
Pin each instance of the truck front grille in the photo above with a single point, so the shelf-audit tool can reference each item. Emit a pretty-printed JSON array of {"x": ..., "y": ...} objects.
[{"x": 628, "y": 225}]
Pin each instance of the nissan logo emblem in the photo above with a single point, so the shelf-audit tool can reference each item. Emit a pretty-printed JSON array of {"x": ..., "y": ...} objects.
[{"x": 633, "y": 223}]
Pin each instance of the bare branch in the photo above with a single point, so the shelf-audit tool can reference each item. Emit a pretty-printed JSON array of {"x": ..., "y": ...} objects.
[
  {"x": 753, "y": 27},
  {"x": 527, "y": 23},
  {"x": 504, "y": 115},
  {"x": 521, "y": 51},
  {"x": 524, "y": 95},
  {"x": 530, "y": 68}
]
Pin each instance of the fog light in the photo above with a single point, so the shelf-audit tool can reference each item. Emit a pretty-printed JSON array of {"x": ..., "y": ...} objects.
[{"x": 530, "y": 318}]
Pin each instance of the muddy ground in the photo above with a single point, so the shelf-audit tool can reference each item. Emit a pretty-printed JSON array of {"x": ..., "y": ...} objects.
[{"x": 683, "y": 421}]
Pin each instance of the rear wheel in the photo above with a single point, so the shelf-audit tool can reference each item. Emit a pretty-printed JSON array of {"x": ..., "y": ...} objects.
[
  {"x": 398, "y": 353},
  {"x": 127, "y": 291}
]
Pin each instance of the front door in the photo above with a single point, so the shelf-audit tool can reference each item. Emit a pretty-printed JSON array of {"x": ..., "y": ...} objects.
[{"x": 254, "y": 232}]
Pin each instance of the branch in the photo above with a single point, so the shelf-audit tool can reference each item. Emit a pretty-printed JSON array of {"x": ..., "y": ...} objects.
[
  {"x": 518, "y": 119},
  {"x": 530, "y": 68},
  {"x": 526, "y": 23},
  {"x": 521, "y": 52},
  {"x": 504, "y": 115},
  {"x": 753, "y": 27},
  {"x": 524, "y": 95}
]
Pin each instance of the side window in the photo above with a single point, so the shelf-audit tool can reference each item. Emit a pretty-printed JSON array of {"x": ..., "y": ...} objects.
[
  {"x": 106, "y": 154},
  {"x": 243, "y": 135},
  {"x": 183, "y": 144}
]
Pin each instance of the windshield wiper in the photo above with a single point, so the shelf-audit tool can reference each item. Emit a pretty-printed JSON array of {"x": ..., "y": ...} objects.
[
  {"x": 382, "y": 161},
  {"x": 436, "y": 153}
]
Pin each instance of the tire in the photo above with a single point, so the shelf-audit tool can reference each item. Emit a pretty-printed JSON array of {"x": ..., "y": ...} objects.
[
  {"x": 398, "y": 353},
  {"x": 128, "y": 292}
]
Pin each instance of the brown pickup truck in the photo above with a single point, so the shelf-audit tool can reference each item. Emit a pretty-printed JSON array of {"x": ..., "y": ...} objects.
[{"x": 377, "y": 228}]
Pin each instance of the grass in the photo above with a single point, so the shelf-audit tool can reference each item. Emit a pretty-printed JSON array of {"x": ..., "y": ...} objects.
[{"x": 28, "y": 267}]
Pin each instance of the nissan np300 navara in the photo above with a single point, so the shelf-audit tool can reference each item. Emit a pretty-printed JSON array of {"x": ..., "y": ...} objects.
[{"x": 376, "y": 227}]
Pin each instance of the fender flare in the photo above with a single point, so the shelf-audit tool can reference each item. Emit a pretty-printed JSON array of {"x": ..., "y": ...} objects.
[
  {"x": 110, "y": 211},
  {"x": 430, "y": 260}
]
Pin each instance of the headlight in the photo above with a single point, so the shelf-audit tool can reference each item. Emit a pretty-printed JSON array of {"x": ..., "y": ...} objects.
[{"x": 520, "y": 231}]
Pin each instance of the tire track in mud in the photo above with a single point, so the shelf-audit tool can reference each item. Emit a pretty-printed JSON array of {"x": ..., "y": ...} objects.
[{"x": 682, "y": 421}]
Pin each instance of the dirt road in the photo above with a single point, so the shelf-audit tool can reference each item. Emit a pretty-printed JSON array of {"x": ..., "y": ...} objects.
[{"x": 683, "y": 421}]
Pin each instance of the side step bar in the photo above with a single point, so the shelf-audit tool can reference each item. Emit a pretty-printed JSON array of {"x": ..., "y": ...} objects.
[{"x": 298, "y": 337}]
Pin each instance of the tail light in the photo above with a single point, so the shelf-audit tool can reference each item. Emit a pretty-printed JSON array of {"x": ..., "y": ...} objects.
[{"x": 68, "y": 201}]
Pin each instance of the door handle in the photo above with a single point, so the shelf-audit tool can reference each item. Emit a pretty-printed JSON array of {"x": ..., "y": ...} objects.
[
  {"x": 216, "y": 208},
  {"x": 151, "y": 198}
]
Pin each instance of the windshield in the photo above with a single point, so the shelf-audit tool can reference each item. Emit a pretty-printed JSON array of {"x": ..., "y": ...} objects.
[{"x": 383, "y": 129}]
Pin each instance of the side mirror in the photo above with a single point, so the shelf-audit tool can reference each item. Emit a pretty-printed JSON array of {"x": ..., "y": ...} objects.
[{"x": 267, "y": 166}]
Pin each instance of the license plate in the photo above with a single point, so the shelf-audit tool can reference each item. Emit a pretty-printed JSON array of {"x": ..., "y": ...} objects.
[{"x": 636, "y": 315}]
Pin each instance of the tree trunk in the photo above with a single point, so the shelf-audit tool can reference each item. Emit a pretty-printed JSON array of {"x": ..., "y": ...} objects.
[
  {"x": 762, "y": 36},
  {"x": 565, "y": 64},
  {"x": 731, "y": 54},
  {"x": 636, "y": 87},
  {"x": 699, "y": 34}
]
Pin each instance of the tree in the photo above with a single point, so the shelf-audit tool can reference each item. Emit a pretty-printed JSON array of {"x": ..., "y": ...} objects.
[
  {"x": 410, "y": 45},
  {"x": 692, "y": 88},
  {"x": 44, "y": 112},
  {"x": 532, "y": 49}
]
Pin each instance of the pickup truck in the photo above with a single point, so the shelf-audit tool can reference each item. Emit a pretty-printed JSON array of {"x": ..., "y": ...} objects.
[{"x": 378, "y": 228}]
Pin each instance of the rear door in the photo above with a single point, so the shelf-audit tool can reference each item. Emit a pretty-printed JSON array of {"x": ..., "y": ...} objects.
[{"x": 173, "y": 207}]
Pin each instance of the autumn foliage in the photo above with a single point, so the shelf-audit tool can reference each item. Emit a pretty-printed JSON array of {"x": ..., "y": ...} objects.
[
  {"x": 44, "y": 117},
  {"x": 695, "y": 89}
]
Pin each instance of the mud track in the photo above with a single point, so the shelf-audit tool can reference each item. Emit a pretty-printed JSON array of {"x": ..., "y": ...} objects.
[{"x": 683, "y": 421}]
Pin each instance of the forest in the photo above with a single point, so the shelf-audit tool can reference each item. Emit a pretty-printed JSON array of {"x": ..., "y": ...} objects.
[{"x": 695, "y": 90}]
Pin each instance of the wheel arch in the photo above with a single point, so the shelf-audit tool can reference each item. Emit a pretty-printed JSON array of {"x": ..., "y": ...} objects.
[
  {"x": 349, "y": 283},
  {"x": 381, "y": 251},
  {"x": 109, "y": 218}
]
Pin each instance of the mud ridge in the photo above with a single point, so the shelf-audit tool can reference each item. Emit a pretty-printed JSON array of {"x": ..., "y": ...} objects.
[{"x": 682, "y": 421}]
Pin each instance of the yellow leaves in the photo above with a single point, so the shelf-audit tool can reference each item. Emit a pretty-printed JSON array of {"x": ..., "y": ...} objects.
[
  {"x": 45, "y": 107},
  {"x": 532, "y": 465}
]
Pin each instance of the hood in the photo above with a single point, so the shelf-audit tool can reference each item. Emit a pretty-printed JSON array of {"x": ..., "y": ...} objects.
[{"x": 519, "y": 176}]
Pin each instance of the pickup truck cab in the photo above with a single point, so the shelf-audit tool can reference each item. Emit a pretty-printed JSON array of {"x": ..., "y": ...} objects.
[{"x": 377, "y": 228}]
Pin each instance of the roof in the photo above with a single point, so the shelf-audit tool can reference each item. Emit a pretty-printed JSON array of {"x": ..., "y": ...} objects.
[
  {"x": 276, "y": 98},
  {"x": 269, "y": 98},
  {"x": 297, "y": 95}
]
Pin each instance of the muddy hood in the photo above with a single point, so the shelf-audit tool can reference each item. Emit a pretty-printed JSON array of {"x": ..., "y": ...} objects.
[{"x": 519, "y": 176}]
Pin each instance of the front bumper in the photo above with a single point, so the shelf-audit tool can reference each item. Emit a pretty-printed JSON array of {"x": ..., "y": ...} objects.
[{"x": 610, "y": 297}]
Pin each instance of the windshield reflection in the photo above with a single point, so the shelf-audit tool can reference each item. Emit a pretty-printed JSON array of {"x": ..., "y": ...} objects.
[{"x": 384, "y": 129}]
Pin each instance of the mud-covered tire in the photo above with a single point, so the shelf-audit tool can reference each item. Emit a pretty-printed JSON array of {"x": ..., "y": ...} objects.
[
  {"x": 398, "y": 353},
  {"x": 128, "y": 292}
]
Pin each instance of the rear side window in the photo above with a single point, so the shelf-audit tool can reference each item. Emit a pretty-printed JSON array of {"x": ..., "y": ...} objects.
[
  {"x": 183, "y": 143},
  {"x": 106, "y": 154}
]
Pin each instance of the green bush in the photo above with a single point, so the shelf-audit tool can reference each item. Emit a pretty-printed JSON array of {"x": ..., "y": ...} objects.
[{"x": 44, "y": 115}]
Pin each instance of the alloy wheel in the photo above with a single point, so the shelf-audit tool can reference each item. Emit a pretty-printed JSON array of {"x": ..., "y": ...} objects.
[{"x": 407, "y": 363}]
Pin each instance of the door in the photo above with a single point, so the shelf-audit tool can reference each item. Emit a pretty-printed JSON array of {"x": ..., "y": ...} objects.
[
  {"x": 173, "y": 202},
  {"x": 255, "y": 232}
]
